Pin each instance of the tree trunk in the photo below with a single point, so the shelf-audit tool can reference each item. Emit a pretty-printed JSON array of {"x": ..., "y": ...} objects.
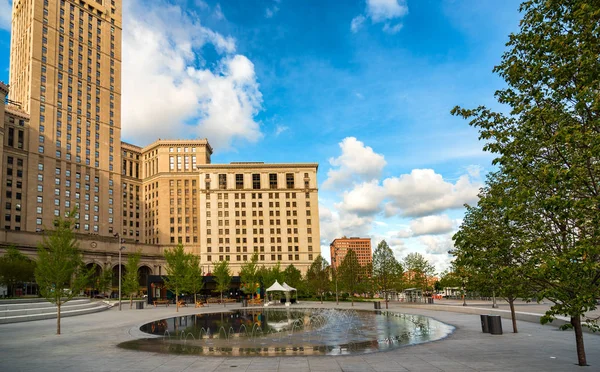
[
  {"x": 321, "y": 297},
  {"x": 352, "y": 300},
  {"x": 576, "y": 323},
  {"x": 511, "y": 303},
  {"x": 130, "y": 301},
  {"x": 58, "y": 318},
  {"x": 222, "y": 299},
  {"x": 386, "y": 300},
  {"x": 195, "y": 300},
  {"x": 176, "y": 300}
]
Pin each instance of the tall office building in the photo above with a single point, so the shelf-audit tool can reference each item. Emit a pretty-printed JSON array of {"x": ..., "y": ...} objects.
[
  {"x": 62, "y": 149},
  {"x": 65, "y": 74},
  {"x": 340, "y": 247}
]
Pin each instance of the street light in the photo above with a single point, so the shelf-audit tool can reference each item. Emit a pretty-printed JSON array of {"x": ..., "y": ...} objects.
[{"x": 120, "y": 268}]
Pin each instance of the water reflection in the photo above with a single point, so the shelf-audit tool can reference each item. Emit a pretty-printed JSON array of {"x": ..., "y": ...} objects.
[{"x": 288, "y": 332}]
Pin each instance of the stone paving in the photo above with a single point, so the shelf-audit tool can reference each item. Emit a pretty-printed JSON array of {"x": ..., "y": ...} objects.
[{"x": 88, "y": 343}]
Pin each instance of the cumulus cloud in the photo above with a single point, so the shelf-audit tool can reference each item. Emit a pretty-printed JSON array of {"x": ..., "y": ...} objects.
[
  {"x": 424, "y": 192},
  {"x": 384, "y": 10},
  {"x": 387, "y": 12},
  {"x": 5, "y": 14},
  {"x": 356, "y": 163},
  {"x": 335, "y": 223},
  {"x": 431, "y": 225},
  {"x": 363, "y": 200},
  {"x": 167, "y": 92},
  {"x": 437, "y": 244}
]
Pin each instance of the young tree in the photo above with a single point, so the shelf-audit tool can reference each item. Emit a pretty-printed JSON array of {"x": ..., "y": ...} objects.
[
  {"x": 15, "y": 268},
  {"x": 104, "y": 281},
  {"x": 317, "y": 276},
  {"x": 194, "y": 280},
  {"x": 222, "y": 276},
  {"x": 249, "y": 275},
  {"x": 60, "y": 272},
  {"x": 548, "y": 147},
  {"x": 350, "y": 274},
  {"x": 488, "y": 247},
  {"x": 419, "y": 270},
  {"x": 386, "y": 269},
  {"x": 292, "y": 276},
  {"x": 177, "y": 267},
  {"x": 131, "y": 280}
]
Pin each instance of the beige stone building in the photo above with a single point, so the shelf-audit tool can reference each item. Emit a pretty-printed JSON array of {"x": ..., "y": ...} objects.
[{"x": 62, "y": 149}]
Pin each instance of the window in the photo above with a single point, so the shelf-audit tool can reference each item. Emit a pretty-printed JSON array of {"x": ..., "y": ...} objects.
[
  {"x": 222, "y": 181},
  {"x": 273, "y": 180},
  {"x": 256, "y": 181},
  {"x": 239, "y": 181},
  {"x": 289, "y": 180}
]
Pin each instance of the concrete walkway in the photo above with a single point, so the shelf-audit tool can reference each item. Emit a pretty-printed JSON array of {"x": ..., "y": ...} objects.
[{"x": 88, "y": 343}]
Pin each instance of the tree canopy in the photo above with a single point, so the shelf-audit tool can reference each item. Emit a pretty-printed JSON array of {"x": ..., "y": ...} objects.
[
  {"x": 387, "y": 271},
  {"x": 60, "y": 272},
  {"x": 222, "y": 275},
  {"x": 547, "y": 145},
  {"x": 131, "y": 279},
  {"x": 15, "y": 268},
  {"x": 317, "y": 276},
  {"x": 177, "y": 270}
]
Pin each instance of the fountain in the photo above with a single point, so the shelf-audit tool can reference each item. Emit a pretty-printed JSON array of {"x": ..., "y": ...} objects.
[{"x": 288, "y": 332}]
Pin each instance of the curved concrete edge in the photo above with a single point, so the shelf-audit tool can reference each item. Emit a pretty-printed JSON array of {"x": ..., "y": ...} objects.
[
  {"x": 46, "y": 309},
  {"x": 522, "y": 316},
  {"x": 37, "y": 305},
  {"x": 63, "y": 314}
]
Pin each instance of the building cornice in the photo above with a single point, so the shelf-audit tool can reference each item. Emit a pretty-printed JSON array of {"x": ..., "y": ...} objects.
[
  {"x": 13, "y": 110},
  {"x": 250, "y": 166},
  {"x": 4, "y": 87},
  {"x": 171, "y": 143}
]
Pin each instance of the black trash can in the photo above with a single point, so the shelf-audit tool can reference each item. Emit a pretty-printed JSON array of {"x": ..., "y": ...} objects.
[
  {"x": 139, "y": 305},
  {"x": 429, "y": 300},
  {"x": 377, "y": 305},
  {"x": 485, "y": 326},
  {"x": 495, "y": 324},
  {"x": 244, "y": 302}
]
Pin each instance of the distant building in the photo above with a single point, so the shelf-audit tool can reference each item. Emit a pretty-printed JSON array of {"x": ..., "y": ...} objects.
[{"x": 361, "y": 246}]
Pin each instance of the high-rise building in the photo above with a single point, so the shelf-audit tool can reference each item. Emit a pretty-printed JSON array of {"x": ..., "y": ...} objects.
[
  {"x": 63, "y": 150},
  {"x": 65, "y": 74},
  {"x": 361, "y": 246}
]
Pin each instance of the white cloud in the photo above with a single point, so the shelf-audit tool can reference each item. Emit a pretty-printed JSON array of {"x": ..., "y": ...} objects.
[
  {"x": 280, "y": 129},
  {"x": 163, "y": 87},
  {"x": 363, "y": 200},
  {"x": 270, "y": 12},
  {"x": 5, "y": 14},
  {"x": 424, "y": 192},
  {"x": 356, "y": 163},
  {"x": 218, "y": 12},
  {"x": 437, "y": 244},
  {"x": 431, "y": 225},
  {"x": 357, "y": 23},
  {"x": 382, "y": 11},
  {"x": 335, "y": 224},
  {"x": 392, "y": 29}
]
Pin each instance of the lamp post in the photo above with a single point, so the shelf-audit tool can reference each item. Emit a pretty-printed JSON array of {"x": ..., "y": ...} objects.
[{"x": 120, "y": 268}]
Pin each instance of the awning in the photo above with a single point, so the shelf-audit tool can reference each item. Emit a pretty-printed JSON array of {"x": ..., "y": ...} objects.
[
  {"x": 277, "y": 287},
  {"x": 289, "y": 288}
]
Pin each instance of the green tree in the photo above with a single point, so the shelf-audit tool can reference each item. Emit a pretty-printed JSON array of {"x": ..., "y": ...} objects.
[
  {"x": 292, "y": 276},
  {"x": 387, "y": 271},
  {"x": 317, "y": 276},
  {"x": 60, "y": 272},
  {"x": 177, "y": 267},
  {"x": 548, "y": 145},
  {"x": 104, "y": 280},
  {"x": 249, "y": 275},
  {"x": 131, "y": 279},
  {"x": 15, "y": 268},
  {"x": 222, "y": 276},
  {"x": 419, "y": 270},
  {"x": 194, "y": 280},
  {"x": 350, "y": 274},
  {"x": 488, "y": 246}
]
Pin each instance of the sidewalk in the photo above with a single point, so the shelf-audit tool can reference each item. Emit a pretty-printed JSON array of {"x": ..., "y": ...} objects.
[{"x": 88, "y": 343}]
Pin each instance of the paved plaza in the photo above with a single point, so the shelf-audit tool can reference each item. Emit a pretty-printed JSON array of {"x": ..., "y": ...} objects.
[{"x": 88, "y": 343}]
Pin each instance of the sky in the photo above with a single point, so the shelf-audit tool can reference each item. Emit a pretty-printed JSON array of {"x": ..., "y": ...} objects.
[{"x": 362, "y": 87}]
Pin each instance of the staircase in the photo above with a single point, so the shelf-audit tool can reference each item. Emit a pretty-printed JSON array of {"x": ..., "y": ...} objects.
[{"x": 14, "y": 311}]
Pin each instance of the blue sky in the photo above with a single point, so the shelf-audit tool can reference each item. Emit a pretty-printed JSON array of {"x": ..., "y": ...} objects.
[{"x": 362, "y": 87}]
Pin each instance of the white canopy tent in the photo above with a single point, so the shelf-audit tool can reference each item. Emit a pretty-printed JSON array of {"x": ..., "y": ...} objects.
[
  {"x": 276, "y": 287},
  {"x": 290, "y": 289}
]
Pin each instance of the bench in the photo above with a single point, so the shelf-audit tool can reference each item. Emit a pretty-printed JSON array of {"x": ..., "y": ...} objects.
[
  {"x": 161, "y": 302},
  {"x": 255, "y": 302},
  {"x": 181, "y": 303},
  {"x": 199, "y": 304}
]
